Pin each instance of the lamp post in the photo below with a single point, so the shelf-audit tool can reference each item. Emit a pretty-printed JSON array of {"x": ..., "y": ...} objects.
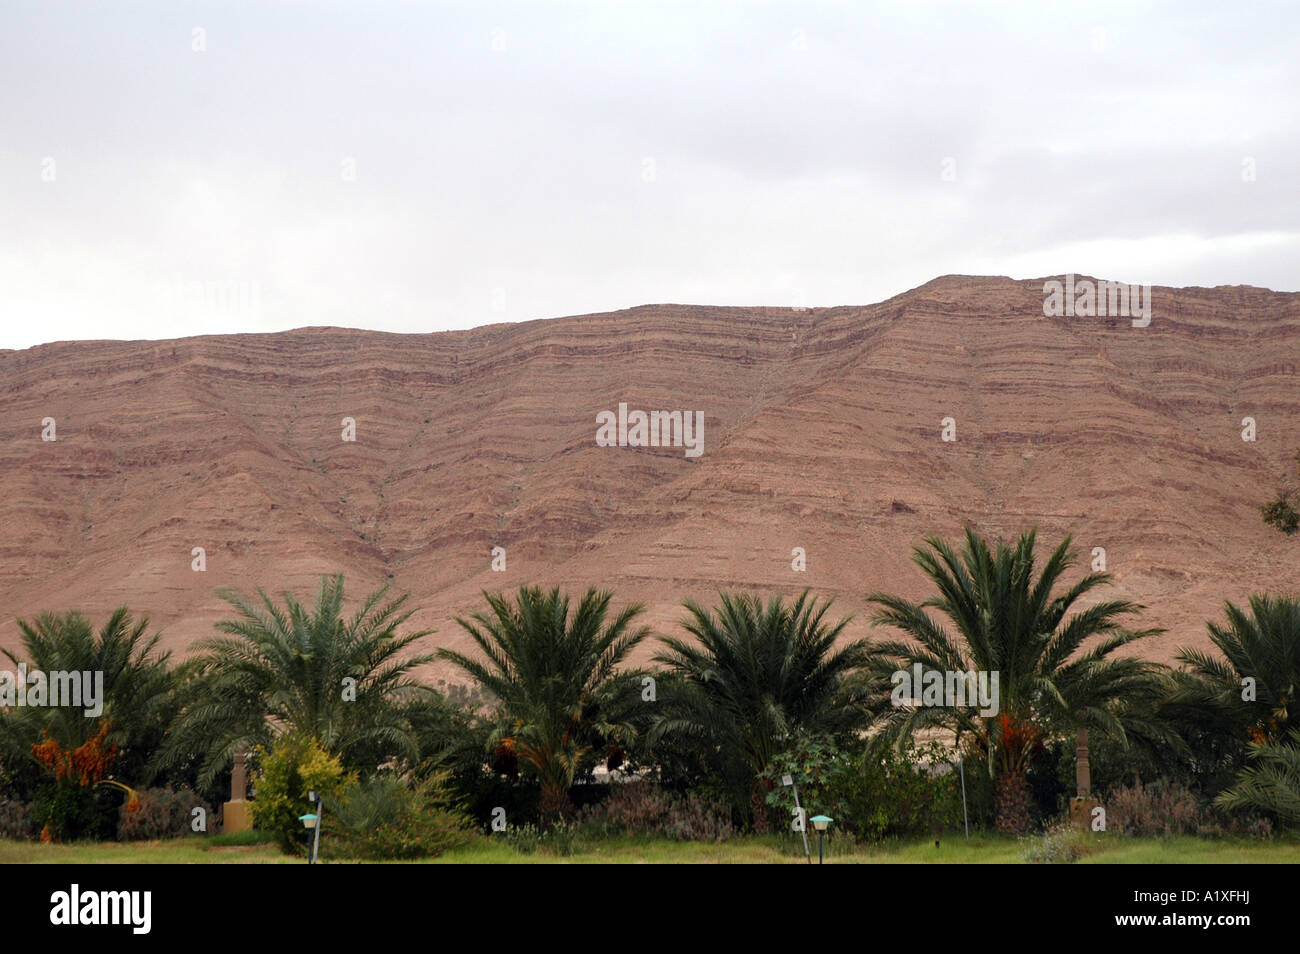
[
  {"x": 821, "y": 823},
  {"x": 312, "y": 822},
  {"x": 961, "y": 767}
]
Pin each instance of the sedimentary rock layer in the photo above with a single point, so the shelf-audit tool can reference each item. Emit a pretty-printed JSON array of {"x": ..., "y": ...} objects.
[{"x": 822, "y": 431}]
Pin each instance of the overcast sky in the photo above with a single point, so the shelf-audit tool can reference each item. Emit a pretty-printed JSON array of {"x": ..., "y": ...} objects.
[{"x": 425, "y": 166}]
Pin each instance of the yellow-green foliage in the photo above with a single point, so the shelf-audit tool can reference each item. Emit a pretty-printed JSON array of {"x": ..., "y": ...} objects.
[
  {"x": 387, "y": 818},
  {"x": 295, "y": 765}
]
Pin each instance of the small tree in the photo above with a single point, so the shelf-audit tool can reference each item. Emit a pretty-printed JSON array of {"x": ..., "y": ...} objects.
[
  {"x": 56, "y": 755},
  {"x": 297, "y": 764},
  {"x": 756, "y": 675},
  {"x": 341, "y": 680},
  {"x": 1057, "y": 663},
  {"x": 556, "y": 677}
]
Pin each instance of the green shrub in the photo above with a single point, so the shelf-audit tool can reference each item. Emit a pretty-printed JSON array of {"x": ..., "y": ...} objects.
[
  {"x": 388, "y": 818},
  {"x": 818, "y": 769},
  {"x": 1280, "y": 513},
  {"x": 887, "y": 793},
  {"x": 881, "y": 793},
  {"x": 72, "y": 812},
  {"x": 296, "y": 765},
  {"x": 239, "y": 839},
  {"x": 160, "y": 813}
]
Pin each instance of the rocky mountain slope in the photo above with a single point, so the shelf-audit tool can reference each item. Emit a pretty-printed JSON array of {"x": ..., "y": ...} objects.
[{"x": 822, "y": 430}]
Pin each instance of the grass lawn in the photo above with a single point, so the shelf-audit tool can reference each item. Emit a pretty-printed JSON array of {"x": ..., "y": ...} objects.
[
  {"x": 176, "y": 851},
  {"x": 981, "y": 849}
]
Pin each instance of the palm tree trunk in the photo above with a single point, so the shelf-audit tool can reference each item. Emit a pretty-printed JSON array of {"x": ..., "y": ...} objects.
[
  {"x": 758, "y": 805},
  {"x": 555, "y": 802},
  {"x": 1011, "y": 803},
  {"x": 1082, "y": 768}
]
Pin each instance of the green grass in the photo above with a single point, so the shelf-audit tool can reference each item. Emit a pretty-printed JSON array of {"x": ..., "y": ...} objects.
[
  {"x": 752, "y": 850},
  {"x": 1187, "y": 849},
  {"x": 240, "y": 839},
  {"x": 176, "y": 851},
  {"x": 952, "y": 849}
]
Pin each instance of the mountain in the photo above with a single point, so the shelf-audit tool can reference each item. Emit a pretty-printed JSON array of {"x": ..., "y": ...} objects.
[{"x": 822, "y": 430}]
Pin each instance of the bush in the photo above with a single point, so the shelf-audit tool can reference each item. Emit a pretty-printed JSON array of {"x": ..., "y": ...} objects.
[
  {"x": 17, "y": 821},
  {"x": 642, "y": 808},
  {"x": 296, "y": 765},
  {"x": 70, "y": 812},
  {"x": 1254, "y": 827},
  {"x": 1160, "y": 808},
  {"x": 818, "y": 769},
  {"x": 161, "y": 813},
  {"x": 1165, "y": 808},
  {"x": 881, "y": 793},
  {"x": 69, "y": 805},
  {"x": 527, "y": 839},
  {"x": 560, "y": 839},
  {"x": 1280, "y": 513},
  {"x": 632, "y": 808},
  {"x": 887, "y": 793},
  {"x": 696, "y": 818},
  {"x": 388, "y": 818},
  {"x": 1061, "y": 844}
]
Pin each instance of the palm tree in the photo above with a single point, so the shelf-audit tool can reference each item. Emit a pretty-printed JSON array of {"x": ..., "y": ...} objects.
[
  {"x": 1254, "y": 690},
  {"x": 555, "y": 678},
  {"x": 342, "y": 681},
  {"x": 755, "y": 675},
  {"x": 137, "y": 704},
  {"x": 1004, "y": 619},
  {"x": 1272, "y": 784}
]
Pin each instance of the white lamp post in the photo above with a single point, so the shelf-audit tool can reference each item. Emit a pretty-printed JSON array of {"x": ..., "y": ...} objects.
[
  {"x": 312, "y": 822},
  {"x": 821, "y": 823}
]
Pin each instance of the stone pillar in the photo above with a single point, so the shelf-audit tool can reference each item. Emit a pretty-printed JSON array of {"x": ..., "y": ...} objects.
[
  {"x": 236, "y": 814},
  {"x": 1083, "y": 804},
  {"x": 239, "y": 778}
]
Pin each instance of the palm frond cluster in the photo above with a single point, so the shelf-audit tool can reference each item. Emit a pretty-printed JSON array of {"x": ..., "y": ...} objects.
[{"x": 558, "y": 691}]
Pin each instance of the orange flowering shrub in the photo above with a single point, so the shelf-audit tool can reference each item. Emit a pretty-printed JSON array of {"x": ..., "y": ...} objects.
[
  {"x": 68, "y": 804},
  {"x": 83, "y": 766}
]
